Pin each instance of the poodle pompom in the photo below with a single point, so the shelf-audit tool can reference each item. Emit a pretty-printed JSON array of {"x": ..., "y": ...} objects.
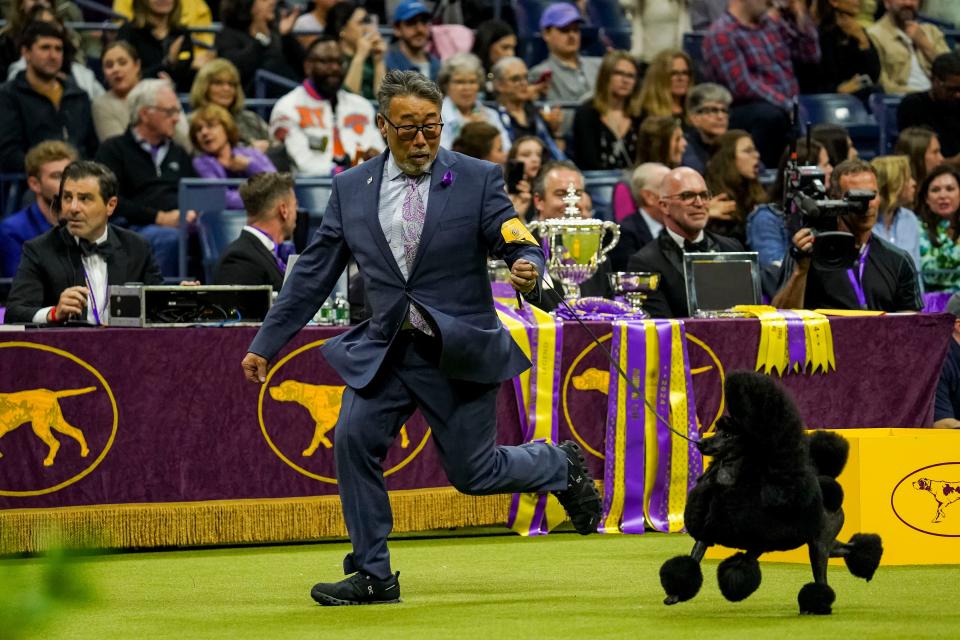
[
  {"x": 832, "y": 493},
  {"x": 738, "y": 577},
  {"x": 681, "y": 579},
  {"x": 816, "y": 599},
  {"x": 829, "y": 452},
  {"x": 864, "y": 556}
]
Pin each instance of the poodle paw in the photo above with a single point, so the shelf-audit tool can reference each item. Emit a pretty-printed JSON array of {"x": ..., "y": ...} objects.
[
  {"x": 816, "y": 599},
  {"x": 681, "y": 579},
  {"x": 738, "y": 577}
]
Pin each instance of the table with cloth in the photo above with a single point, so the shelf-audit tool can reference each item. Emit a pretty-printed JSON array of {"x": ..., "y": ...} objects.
[{"x": 151, "y": 437}]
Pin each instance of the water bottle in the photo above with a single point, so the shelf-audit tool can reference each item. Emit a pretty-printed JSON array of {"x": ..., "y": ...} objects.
[
  {"x": 326, "y": 314},
  {"x": 341, "y": 309}
]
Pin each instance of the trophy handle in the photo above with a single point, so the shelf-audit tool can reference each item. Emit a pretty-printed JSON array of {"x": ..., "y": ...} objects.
[{"x": 614, "y": 228}]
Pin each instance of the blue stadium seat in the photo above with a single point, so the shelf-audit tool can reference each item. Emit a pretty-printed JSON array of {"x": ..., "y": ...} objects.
[
  {"x": 847, "y": 111},
  {"x": 693, "y": 47},
  {"x": 599, "y": 185},
  {"x": 13, "y": 186},
  {"x": 884, "y": 108}
]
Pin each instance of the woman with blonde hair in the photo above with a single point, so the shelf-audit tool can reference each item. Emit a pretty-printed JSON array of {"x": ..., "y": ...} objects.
[
  {"x": 664, "y": 90},
  {"x": 896, "y": 223},
  {"x": 218, "y": 82},
  {"x": 219, "y": 152},
  {"x": 733, "y": 171},
  {"x": 606, "y": 127}
]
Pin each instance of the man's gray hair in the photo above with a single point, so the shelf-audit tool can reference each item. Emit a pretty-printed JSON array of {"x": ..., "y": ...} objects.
[
  {"x": 145, "y": 95},
  {"x": 706, "y": 92},
  {"x": 540, "y": 182},
  {"x": 459, "y": 63},
  {"x": 501, "y": 65},
  {"x": 646, "y": 177},
  {"x": 407, "y": 83}
]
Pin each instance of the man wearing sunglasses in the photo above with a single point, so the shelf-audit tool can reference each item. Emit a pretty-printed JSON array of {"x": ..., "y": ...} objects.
[
  {"x": 420, "y": 221},
  {"x": 411, "y": 31},
  {"x": 685, "y": 202}
]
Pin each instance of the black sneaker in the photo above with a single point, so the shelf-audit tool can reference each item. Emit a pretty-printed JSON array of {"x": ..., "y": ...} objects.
[
  {"x": 580, "y": 499},
  {"x": 358, "y": 589}
]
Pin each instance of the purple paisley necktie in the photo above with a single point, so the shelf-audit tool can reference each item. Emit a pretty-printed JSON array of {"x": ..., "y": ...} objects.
[{"x": 413, "y": 215}]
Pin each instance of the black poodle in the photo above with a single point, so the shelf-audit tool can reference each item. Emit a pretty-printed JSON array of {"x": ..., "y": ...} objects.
[{"x": 769, "y": 487}]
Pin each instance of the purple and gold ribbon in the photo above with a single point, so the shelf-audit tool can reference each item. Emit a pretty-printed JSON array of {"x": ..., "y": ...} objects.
[
  {"x": 795, "y": 341},
  {"x": 537, "y": 390}
]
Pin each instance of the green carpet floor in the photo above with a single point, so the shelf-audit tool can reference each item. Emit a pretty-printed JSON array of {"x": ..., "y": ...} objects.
[{"x": 561, "y": 586}]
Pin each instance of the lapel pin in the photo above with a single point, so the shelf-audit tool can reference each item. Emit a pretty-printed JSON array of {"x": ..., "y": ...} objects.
[
  {"x": 447, "y": 178},
  {"x": 369, "y": 179}
]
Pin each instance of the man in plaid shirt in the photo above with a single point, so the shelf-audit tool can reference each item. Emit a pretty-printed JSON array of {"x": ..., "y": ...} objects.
[{"x": 750, "y": 50}]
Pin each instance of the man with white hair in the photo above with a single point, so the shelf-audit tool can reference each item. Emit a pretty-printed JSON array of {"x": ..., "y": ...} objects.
[
  {"x": 644, "y": 224},
  {"x": 685, "y": 201},
  {"x": 149, "y": 165}
]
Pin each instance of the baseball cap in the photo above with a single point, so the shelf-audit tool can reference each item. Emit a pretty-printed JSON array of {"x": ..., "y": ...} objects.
[
  {"x": 409, "y": 9},
  {"x": 559, "y": 14}
]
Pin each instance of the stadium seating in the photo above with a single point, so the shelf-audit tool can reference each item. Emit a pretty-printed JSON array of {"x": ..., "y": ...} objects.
[
  {"x": 847, "y": 111},
  {"x": 884, "y": 108},
  {"x": 599, "y": 185}
]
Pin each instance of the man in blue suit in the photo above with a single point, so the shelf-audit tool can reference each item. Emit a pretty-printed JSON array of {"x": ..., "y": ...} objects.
[{"x": 420, "y": 223}]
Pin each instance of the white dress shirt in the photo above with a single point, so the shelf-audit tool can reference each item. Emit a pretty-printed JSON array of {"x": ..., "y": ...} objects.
[{"x": 95, "y": 279}]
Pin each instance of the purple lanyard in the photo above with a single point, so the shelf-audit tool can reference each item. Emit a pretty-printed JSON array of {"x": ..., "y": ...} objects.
[
  {"x": 857, "y": 279},
  {"x": 93, "y": 297},
  {"x": 276, "y": 249}
]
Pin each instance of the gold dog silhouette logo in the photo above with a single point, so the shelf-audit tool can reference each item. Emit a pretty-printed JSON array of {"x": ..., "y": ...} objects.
[
  {"x": 589, "y": 375},
  {"x": 57, "y": 423},
  {"x": 41, "y": 409},
  {"x": 923, "y": 500},
  {"x": 292, "y": 410},
  {"x": 323, "y": 403}
]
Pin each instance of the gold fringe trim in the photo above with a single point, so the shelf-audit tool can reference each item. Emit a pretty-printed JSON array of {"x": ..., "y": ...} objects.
[{"x": 124, "y": 526}]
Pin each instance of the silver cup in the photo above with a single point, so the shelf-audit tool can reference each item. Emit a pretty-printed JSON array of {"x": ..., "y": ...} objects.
[{"x": 635, "y": 286}]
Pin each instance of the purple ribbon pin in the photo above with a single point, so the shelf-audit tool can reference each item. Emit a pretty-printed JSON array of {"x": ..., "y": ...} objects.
[{"x": 447, "y": 179}]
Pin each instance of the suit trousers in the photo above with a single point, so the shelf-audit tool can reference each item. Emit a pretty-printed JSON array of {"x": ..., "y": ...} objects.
[{"x": 462, "y": 419}]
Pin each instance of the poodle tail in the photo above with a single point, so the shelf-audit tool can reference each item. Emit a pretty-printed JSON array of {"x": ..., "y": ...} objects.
[
  {"x": 738, "y": 576},
  {"x": 680, "y": 578},
  {"x": 863, "y": 554},
  {"x": 828, "y": 452}
]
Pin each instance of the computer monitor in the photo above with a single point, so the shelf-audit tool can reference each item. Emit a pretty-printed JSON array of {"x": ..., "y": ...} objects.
[{"x": 718, "y": 281}]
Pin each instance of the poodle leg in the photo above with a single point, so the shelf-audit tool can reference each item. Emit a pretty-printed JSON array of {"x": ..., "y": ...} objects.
[
  {"x": 861, "y": 555},
  {"x": 739, "y": 575},
  {"x": 681, "y": 577},
  {"x": 817, "y": 597}
]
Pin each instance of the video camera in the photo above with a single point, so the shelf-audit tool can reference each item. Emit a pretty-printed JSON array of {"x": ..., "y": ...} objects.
[{"x": 805, "y": 204}]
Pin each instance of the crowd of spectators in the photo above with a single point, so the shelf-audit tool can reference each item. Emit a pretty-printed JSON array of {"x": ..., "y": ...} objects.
[{"x": 692, "y": 136}]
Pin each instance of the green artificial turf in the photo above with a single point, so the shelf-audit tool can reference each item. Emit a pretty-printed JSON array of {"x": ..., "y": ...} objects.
[{"x": 560, "y": 586}]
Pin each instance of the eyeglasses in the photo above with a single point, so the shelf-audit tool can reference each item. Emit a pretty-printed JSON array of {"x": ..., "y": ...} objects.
[
  {"x": 689, "y": 197},
  {"x": 516, "y": 79},
  {"x": 167, "y": 111},
  {"x": 713, "y": 111},
  {"x": 430, "y": 130}
]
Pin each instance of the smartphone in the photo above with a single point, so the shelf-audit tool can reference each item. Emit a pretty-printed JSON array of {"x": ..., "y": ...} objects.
[
  {"x": 545, "y": 76},
  {"x": 514, "y": 174}
]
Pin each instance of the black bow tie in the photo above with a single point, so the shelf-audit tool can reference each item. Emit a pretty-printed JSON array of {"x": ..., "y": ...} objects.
[
  {"x": 88, "y": 249},
  {"x": 695, "y": 247}
]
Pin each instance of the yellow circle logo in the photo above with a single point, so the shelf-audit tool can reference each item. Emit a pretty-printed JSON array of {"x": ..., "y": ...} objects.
[
  {"x": 589, "y": 373},
  {"x": 302, "y": 416},
  {"x": 65, "y": 407}
]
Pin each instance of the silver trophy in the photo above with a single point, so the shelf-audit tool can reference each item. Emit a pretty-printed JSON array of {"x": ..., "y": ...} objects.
[
  {"x": 574, "y": 245},
  {"x": 634, "y": 286}
]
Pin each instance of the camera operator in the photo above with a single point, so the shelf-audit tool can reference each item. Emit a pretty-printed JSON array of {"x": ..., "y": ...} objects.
[{"x": 883, "y": 278}]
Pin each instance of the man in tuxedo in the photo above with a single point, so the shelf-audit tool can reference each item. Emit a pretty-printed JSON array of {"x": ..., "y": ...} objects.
[
  {"x": 257, "y": 256},
  {"x": 684, "y": 199},
  {"x": 420, "y": 222},
  {"x": 64, "y": 274},
  {"x": 644, "y": 224}
]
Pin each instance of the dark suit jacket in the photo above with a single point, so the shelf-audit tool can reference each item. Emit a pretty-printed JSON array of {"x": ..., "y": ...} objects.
[
  {"x": 52, "y": 263},
  {"x": 247, "y": 261},
  {"x": 448, "y": 279},
  {"x": 634, "y": 235},
  {"x": 665, "y": 257}
]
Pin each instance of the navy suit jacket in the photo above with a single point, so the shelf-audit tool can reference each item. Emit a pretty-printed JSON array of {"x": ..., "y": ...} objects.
[{"x": 448, "y": 279}]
